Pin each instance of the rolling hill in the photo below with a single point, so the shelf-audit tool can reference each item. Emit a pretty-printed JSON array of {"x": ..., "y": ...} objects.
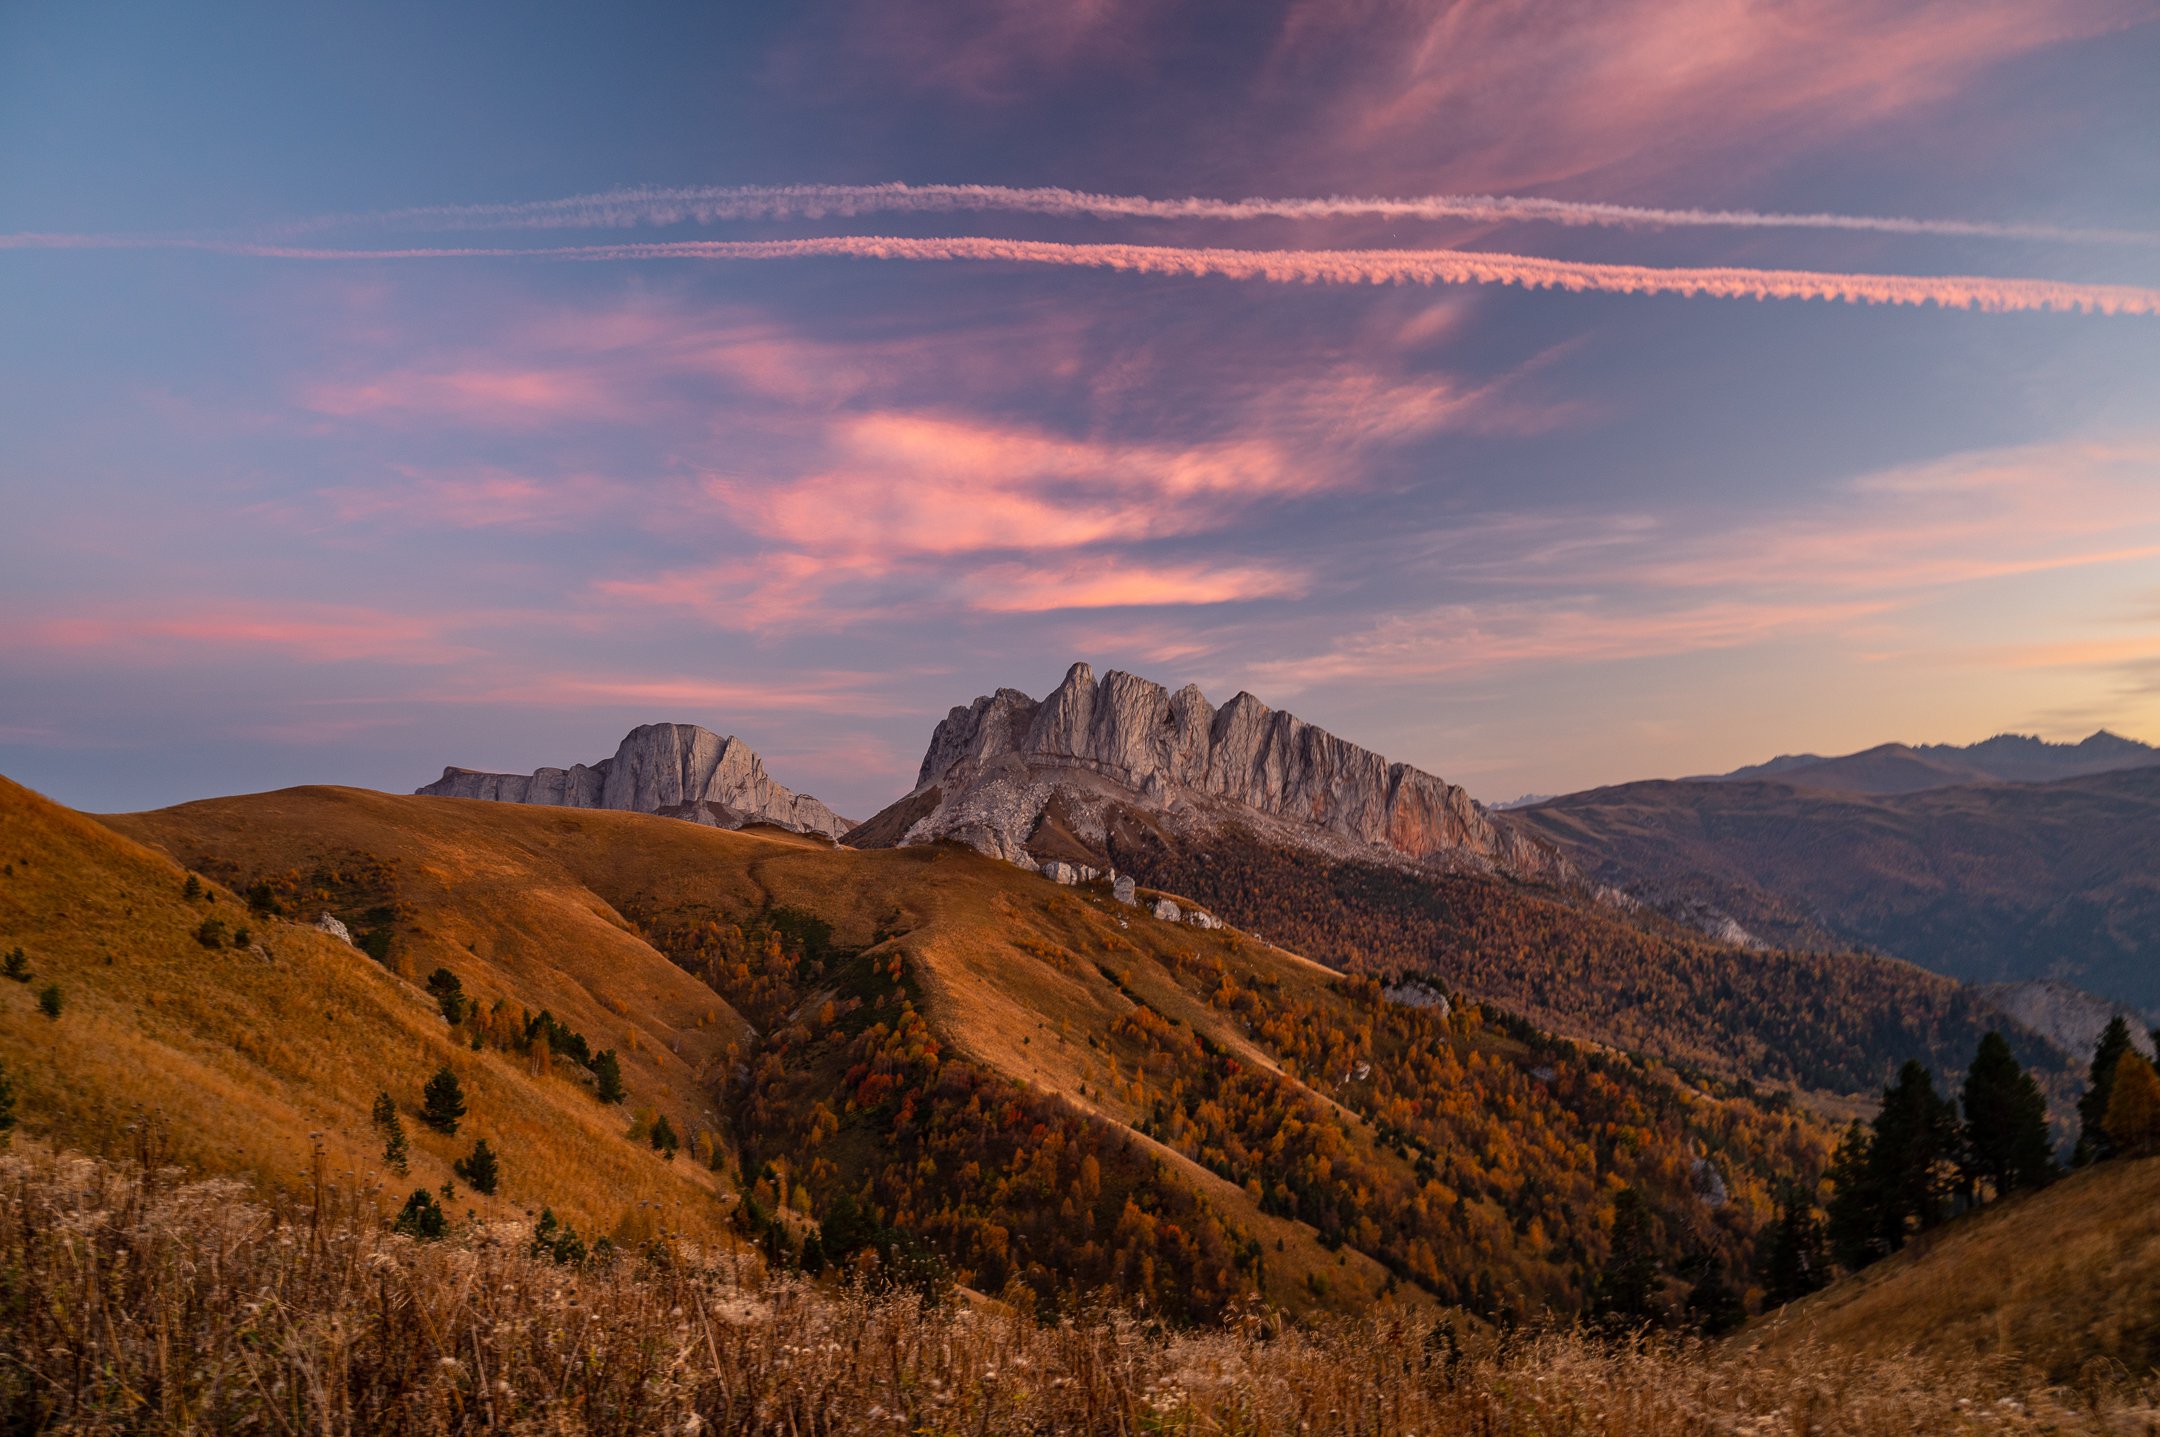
[
  {"x": 1031, "y": 1087},
  {"x": 1983, "y": 882},
  {"x": 2066, "y": 1279}
]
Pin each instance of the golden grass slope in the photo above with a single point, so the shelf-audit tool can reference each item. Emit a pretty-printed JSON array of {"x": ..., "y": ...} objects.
[
  {"x": 240, "y": 1060},
  {"x": 1074, "y": 998},
  {"x": 2066, "y": 1280}
]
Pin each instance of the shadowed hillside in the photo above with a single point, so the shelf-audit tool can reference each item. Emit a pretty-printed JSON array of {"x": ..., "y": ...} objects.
[{"x": 1986, "y": 883}]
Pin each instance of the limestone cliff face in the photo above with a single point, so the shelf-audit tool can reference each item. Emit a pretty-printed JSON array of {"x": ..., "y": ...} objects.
[
  {"x": 996, "y": 765},
  {"x": 676, "y": 769}
]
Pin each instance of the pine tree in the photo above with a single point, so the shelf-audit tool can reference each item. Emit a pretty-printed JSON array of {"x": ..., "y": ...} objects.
[
  {"x": 396, "y": 1154},
  {"x": 16, "y": 966},
  {"x": 663, "y": 1138},
  {"x": 442, "y": 1101},
  {"x": 1855, "y": 1227},
  {"x": 1714, "y": 1306},
  {"x": 48, "y": 1000},
  {"x": 481, "y": 1169},
  {"x": 2092, "y": 1143},
  {"x": 1798, "y": 1264},
  {"x": 607, "y": 1076},
  {"x": 449, "y": 994},
  {"x": 421, "y": 1217},
  {"x": 1626, "y": 1291},
  {"x": 1912, "y": 1154},
  {"x": 557, "y": 1241},
  {"x": 2006, "y": 1132},
  {"x": 2133, "y": 1111},
  {"x": 192, "y": 889},
  {"x": 7, "y": 1107},
  {"x": 384, "y": 1113}
]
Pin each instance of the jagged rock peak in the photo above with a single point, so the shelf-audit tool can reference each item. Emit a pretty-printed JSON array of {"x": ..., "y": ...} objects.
[
  {"x": 1161, "y": 744},
  {"x": 676, "y": 769}
]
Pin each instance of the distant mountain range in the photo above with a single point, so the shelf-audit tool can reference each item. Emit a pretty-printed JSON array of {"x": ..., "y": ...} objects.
[
  {"x": 2006, "y": 862},
  {"x": 1985, "y": 881},
  {"x": 1902, "y": 768}
]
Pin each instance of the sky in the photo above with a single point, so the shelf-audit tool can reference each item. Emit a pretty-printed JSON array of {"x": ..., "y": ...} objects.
[{"x": 1546, "y": 395}]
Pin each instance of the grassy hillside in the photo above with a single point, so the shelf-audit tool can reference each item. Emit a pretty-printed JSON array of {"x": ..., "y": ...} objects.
[
  {"x": 1985, "y": 883},
  {"x": 2064, "y": 1279},
  {"x": 313, "y": 1319},
  {"x": 236, "y": 1060},
  {"x": 959, "y": 1063}
]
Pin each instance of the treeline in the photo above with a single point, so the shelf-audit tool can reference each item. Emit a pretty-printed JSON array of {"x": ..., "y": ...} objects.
[
  {"x": 1829, "y": 1022},
  {"x": 1927, "y": 1156}
]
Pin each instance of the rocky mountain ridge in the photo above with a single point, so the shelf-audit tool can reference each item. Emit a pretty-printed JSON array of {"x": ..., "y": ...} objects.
[
  {"x": 1031, "y": 781},
  {"x": 677, "y": 770}
]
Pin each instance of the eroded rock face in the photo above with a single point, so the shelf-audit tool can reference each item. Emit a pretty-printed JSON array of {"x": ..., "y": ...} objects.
[
  {"x": 997, "y": 761},
  {"x": 676, "y": 769}
]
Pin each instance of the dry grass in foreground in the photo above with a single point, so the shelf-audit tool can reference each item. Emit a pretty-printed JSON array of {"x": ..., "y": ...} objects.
[{"x": 130, "y": 1300}]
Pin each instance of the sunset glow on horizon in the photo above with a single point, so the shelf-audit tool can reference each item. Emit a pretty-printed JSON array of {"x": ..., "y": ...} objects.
[{"x": 1546, "y": 405}]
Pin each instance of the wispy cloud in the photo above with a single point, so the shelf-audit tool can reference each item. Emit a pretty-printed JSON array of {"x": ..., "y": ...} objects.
[
  {"x": 1983, "y": 293},
  {"x": 1116, "y": 583},
  {"x": 653, "y": 206},
  {"x": 320, "y": 632}
]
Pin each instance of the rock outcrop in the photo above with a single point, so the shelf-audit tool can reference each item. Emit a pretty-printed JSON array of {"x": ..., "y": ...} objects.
[
  {"x": 675, "y": 769},
  {"x": 997, "y": 767}
]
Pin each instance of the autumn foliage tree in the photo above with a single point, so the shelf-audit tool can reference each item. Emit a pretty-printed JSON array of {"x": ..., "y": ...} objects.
[{"x": 2133, "y": 1110}]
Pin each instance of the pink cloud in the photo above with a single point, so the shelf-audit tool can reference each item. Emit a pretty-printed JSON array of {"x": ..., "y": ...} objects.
[
  {"x": 1463, "y": 639},
  {"x": 481, "y": 498},
  {"x": 487, "y": 398},
  {"x": 1638, "y": 87},
  {"x": 1113, "y": 583},
  {"x": 319, "y": 632},
  {"x": 805, "y": 691}
]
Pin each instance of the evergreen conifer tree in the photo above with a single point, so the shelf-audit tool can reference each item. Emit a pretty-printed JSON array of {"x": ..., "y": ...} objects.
[
  {"x": 663, "y": 1138},
  {"x": 49, "y": 1001},
  {"x": 2092, "y": 1143},
  {"x": 607, "y": 1076},
  {"x": 481, "y": 1169},
  {"x": 421, "y": 1217},
  {"x": 1854, "y": 1228},
  {"x": 16, "y": 966},
  {"x": 2133, "y": 1110},
  {"x": 1714, "y": 1305},
  {"x": 442, "y": 1101},
  {"x": 1798, "y": 1263},
  {"x": 7, "y": 1107},
  {"x": 1912, "y": 1154},
  {"x": 2006, "y": 1132},
  {"x": 1626, "y": 1291}
]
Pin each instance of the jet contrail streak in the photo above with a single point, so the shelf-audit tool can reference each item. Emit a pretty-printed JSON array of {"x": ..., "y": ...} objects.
[
  {"x": 630, "y": 208},
  {"x": 1983, "y": 293}
]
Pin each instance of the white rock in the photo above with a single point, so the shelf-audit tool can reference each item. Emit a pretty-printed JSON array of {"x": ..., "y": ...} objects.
[
  {"x": 1123, "y": 890},
  {"x": 1166, "y": 910},
  {"x": 1201, "y": 920},
  {"x": 677, "y": 769},
  {"x": 334, "y": 928},
  {"x": 1168, "y": 749}
]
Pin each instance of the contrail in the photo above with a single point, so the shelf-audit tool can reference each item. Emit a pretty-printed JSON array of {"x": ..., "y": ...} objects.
[
  {"x": 631, "y": 208},
  {"x": 1982, "y": 293}
]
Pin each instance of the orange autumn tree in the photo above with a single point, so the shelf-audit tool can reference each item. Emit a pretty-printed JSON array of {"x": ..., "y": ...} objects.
[{"x": 2133, "y": 1110}]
